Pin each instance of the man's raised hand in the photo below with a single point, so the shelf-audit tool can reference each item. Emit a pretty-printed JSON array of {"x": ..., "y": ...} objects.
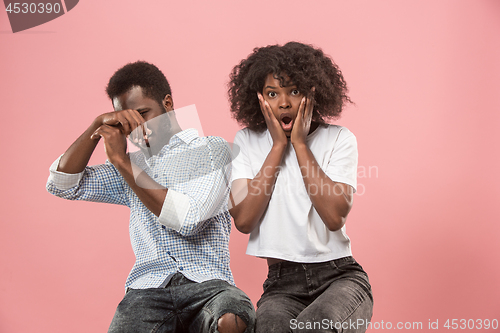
[{"x": 125, "y": 120}]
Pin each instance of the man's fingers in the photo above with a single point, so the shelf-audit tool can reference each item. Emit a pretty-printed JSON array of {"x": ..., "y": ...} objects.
[
  {"x": 128, "y": 119},
  {"x": 134, "y": 114},
  {"x": 104, "y": 131},
  {"x": 134, "y": 120},
  {"x": 95, "y": 135},
  {"x": 98, "y": 133},
  {"x": 125, "y": 124}
]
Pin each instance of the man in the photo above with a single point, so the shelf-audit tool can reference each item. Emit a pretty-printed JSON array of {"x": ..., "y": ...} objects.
[{"x": 176, "y": 188}]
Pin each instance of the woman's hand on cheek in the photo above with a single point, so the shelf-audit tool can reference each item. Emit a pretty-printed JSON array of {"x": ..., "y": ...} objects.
[
  {"x": 274, "y": 127},
  {"x": 302, "y": 123}
]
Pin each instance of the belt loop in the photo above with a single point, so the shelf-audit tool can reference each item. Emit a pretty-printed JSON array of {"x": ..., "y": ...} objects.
[{"x": 279, "y": 270}]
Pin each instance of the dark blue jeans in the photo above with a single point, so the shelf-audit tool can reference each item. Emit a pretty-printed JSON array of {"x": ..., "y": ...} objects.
[
  {"x": 182, "y": 306},
  {"x": 333, "y": 296}
]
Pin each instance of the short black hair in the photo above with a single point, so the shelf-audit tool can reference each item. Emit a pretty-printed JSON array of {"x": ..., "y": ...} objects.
[
  {"x": 153, "y": 82},
  {"x": 306, "y": 66}
]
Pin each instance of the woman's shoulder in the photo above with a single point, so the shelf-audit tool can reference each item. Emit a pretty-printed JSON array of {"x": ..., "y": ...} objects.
[
  {"x": 246, "y": 134},
  {"x": 333, "y": 131}
]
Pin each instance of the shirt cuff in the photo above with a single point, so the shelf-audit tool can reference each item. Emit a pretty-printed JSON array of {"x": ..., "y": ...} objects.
[
  {"x": 62, "y": 180},
  {"x": 174, "y": 210}
]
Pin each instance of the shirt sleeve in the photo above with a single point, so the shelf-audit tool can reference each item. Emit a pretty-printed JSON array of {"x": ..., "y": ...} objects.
[
  {"x": 174, "y": 210},
  {"x": 241, "y": 167},
  {"x": 343, "y": 163},
  {"x": 206, "y": 192},
  {"x": 99, "y": 183}
]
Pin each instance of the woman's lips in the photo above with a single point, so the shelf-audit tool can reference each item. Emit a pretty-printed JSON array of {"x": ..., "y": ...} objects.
[{"x": 286, "y": 122}]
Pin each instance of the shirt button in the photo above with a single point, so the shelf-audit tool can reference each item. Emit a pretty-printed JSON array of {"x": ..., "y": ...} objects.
[
  {"x": 163, "y": 227},
  {"x": 181, "y": 268},
  {"x": 168, "y": 252},
  {"x": 156, "y": 176}
]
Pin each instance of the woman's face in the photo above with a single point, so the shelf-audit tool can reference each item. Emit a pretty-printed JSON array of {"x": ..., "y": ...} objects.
[{"x": 284, "y": 101}]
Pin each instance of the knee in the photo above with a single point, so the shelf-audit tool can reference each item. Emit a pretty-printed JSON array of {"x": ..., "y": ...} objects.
[{"x": 231, "y": 323}]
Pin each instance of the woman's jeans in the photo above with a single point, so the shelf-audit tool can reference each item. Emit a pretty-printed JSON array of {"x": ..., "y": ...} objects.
[{"x": 333, "y": 296}]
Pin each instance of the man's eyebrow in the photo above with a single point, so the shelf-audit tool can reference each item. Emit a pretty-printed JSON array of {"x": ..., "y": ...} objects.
[
  {"x": 142, "y": 109},
  {"x": 270, "y": 87}
]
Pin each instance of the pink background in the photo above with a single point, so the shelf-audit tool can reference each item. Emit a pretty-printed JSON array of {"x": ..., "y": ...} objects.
[{"x": 425, "y": 77}]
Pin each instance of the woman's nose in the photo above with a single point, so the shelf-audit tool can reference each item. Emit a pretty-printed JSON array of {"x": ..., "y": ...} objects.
[{"x": 284, "y": 102}]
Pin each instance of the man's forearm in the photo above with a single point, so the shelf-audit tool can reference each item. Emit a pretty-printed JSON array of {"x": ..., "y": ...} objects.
[
  {"x": 147, "y": 190},
  {"x": 77, "y": 156}
]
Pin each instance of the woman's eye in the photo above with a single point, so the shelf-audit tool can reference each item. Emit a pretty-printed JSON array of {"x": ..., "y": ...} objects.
[
  {"x": 295, "y": 92},
  {"x": 272, "y": 94}
]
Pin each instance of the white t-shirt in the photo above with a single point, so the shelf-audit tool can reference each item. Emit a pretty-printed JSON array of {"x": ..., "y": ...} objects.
[{"x": 291, "y": 228}]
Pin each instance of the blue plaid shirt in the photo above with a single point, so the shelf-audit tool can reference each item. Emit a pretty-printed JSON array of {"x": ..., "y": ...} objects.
[{"x": 191, "y": 234}]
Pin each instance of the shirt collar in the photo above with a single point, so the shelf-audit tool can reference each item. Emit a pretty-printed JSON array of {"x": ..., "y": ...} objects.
[{"x": 185, "y": 136}]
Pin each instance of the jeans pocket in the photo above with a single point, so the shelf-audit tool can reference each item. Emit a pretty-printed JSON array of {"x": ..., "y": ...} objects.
[
  {"x": 347, "y": 264},
  {"x": 268, "y": 283}
]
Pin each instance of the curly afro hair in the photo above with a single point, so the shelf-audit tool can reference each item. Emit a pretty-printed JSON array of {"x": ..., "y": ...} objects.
[
  {"x": 306, "y": 67},
  {"x": 153, "y": 82}
]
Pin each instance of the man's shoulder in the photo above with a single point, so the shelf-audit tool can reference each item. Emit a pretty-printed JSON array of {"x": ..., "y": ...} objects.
[
  {"x": 218, "y": 145},
  {"x": 214, "y": 139},
  {"x": 208, "y": 141},
  {"x": 208, "y": 147}
]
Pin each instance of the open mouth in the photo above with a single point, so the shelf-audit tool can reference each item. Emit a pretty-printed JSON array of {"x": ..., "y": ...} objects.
[{"x": 286, "y": 121}]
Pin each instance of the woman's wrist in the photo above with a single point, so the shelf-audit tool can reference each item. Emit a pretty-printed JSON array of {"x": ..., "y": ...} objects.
[{"x": 279, "y": 147}]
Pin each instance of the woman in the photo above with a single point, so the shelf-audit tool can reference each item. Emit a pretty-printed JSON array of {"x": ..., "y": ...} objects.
[{"x": 292, "y": 189}]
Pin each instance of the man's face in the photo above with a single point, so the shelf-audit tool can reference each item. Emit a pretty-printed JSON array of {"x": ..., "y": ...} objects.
[
  {"x": 135, "y": 100},
  {"x": 157, "y": 124},
  {"x": 284, "y": 101}
]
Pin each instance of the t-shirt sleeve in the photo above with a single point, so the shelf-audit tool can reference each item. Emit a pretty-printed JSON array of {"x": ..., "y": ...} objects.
[
  {"x": 343, "y": 163},
  {"x": 241, "y": 162}
]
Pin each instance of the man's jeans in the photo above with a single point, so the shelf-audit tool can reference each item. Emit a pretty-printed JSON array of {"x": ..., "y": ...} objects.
[
  {"x": 182, "y": 306},
  {"x": 333, "y": 296}
]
